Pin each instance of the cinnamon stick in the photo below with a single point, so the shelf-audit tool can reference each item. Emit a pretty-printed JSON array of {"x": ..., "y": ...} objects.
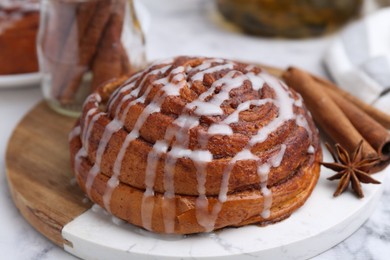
[
  {"x": 107, "y": 63},
  {"x": 379, "y": 116},
  {"x": 85, "y": 14},
  {"x": 82, "y": 14},
  {"x": 375, "y": 134},
  {"x": 87, "y": 50},
  {"x": 326, "y": 112}
]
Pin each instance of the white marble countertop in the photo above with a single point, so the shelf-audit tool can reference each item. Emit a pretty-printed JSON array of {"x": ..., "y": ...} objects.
[{"x": 184, "y": 27}]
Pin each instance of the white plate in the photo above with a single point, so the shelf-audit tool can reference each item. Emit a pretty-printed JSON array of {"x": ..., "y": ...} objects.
[
  {"x": 20, "y": 80},
  {"x": 320, "y": 224}
]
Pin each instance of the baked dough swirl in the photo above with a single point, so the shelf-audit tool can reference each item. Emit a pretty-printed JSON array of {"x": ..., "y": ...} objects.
[{"x": 195, "y": 144}]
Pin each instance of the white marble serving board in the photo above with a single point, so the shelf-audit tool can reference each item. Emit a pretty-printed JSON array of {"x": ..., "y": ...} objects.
[{"x": 320, "y": 224}]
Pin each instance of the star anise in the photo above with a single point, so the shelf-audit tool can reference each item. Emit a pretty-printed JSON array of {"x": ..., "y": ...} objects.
[{"x": 350, "y": 169}]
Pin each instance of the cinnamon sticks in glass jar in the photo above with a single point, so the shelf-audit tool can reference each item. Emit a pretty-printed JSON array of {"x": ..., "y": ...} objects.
[{"x": 84, "y": 43}]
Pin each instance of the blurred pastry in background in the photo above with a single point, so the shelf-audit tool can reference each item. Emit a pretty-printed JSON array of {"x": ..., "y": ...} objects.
[
  {"x": 19, "y": 22},
  {"x": 289, "y": 18},
  {"x": 383, "y": 2}
]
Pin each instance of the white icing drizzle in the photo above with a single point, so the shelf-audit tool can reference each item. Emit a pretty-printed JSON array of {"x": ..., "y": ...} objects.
[
  {"x": 245, "y": 154},
  {"x": 79, "y": 155},
  {"x": 111, "y": 128},
  {"x": 267, "y": 194},
  {"x": 302, "y": 122},
  {"x": 277, "y": 160},
  {"x": 201, "y": 158},
  {"x": 207, "y": 64},
  {"x": 249, "y": 67},
  {"x": 234, "y": 117},
  {"x": 95, "y": 99},
  {"x": 220, "y": 129},
  {"x": 85, "y": 127},
  {"x": 310, "y": 150},
  {"x": 263, "y": 171},
  {"x": 75, "y": 132},
  {"x": 89, "y": 128},
  {"x": 298, "y": 102},
  {"x": 205, "y": 218},
  {"x": 257, "y": 82},
  {"x": 147, "y": 205},
  {"x": 200, "y": 74}
]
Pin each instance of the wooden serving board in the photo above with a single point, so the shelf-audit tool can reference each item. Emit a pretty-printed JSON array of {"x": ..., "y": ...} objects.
[{"x": 39, "y": 174}]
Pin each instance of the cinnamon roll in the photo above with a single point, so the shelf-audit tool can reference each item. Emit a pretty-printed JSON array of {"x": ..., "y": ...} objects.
[
  {"x": 194, "y": 144},
  {"x": 19, "y": 21}
]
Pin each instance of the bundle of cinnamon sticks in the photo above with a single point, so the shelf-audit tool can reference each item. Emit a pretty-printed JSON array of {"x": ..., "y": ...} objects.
[
  {"x": 87, "y": 38},
  {"x": 344, "y": 118}
]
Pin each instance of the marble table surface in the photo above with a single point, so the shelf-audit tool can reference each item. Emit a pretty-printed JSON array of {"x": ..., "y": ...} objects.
[{"x": 185, "y": 27}]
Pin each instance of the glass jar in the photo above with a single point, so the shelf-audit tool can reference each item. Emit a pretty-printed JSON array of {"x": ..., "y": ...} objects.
[
  {"x": 84, "y": 43},
  {"x": 289, "y": 18}
]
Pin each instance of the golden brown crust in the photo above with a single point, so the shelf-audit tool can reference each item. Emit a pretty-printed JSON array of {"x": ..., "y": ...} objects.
[{"x": 290, "y": 181}]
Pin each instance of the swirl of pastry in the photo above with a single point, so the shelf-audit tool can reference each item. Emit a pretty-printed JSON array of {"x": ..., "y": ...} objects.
[{"x": 194, "y": 144}]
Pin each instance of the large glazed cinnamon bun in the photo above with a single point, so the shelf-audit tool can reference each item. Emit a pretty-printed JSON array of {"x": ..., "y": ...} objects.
[{"x": 195, "y": 144}]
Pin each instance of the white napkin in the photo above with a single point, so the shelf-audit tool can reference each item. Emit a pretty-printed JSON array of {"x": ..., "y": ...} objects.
[{"x": 359, "y": 59}]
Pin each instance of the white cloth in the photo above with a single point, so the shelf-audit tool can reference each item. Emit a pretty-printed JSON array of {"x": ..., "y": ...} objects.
[{"x": 359, "y": 59}]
